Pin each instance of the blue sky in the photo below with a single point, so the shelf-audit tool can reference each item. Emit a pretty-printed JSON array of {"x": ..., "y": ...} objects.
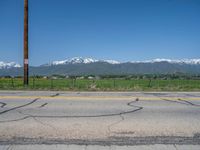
[{"x": 123, "y": 30}]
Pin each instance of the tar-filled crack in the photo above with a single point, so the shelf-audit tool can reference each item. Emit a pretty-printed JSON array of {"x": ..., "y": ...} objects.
[
  {"x": 181, "y": 101},
  {"x": 175, "y": 146},
  {"x": 43, "y": 105},
  {"x": 26, "y": 116},
  {"x": 122, "y": 117},
  {"x": 190, "y": 103},
  {"x": 37, "y": 120},
  {"x": 115, "y": 123},
  {"x": 57, "y": 94},
  {"x": 2, "y": 104},
  {"x": 21, "y": 106}
]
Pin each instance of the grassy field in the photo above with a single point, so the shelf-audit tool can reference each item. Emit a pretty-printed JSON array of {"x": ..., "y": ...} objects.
[{"x": 101, "y": 84}]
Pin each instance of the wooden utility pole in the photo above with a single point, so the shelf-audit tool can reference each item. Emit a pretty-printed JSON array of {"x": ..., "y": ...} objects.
[{"x": 26, "y": 77}]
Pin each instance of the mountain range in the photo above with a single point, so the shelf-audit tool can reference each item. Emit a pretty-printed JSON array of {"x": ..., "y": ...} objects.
[
  {"x": 78, "y": 60},
  {"x": 90, "y": 66}
]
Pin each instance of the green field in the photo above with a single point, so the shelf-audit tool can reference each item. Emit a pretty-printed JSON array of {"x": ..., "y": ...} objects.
[{"x": 101, "y": 84}]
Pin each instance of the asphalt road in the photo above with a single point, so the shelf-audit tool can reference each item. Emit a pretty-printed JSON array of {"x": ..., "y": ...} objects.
[{"x": 100, "y": 119}]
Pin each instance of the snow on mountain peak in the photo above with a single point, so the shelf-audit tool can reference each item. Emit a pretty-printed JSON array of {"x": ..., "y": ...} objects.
[
  {"x": 78, "y": 60},
  {"x": 172, "y": 61},
  {"x": 112, "y": 62},
  {"x": 179, "y": 61},
  {"x": 74, "y": 60},
  {"x": 7, "y": 65}
]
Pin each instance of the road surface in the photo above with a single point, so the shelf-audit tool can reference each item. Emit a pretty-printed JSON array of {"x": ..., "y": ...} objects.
[{"x": 117, "y": 120}]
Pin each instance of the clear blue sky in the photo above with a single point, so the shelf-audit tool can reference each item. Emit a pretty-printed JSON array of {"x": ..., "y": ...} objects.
[{"x": 123, "y": 30}]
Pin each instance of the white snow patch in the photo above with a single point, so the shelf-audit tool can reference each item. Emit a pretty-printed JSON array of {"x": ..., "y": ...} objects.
[
  {"x": 78, "y": 60},
  {"x": 172, "y": 61},
  {"x": 7, "y": 65},
  {"x": 112, "y": 62}
]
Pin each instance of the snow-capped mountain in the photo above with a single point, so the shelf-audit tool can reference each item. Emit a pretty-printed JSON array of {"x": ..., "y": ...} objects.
[
  {"x": 74, "y": 60},
  {"x": 79, "y": 60},
  {"x": 90, "y": 66},
  {"x": 111, "y": 61},
  {"x": 8, "y": 65},
  {"x": 171, "y": 61}
]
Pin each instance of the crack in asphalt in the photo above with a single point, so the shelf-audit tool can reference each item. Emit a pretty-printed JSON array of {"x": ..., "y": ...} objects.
[
  {"x": 44, "y": 124},
  {"x": 175, "y": 146},
  {"x": 69, "y": 116},
  {"x": 121, "y": 115},
  {"x": 3, "y": 104},
  {"x": 21, "y": 106},
  {"x": 57, "y": 94},
  {"x": 38, "y": 121},
  {"x": 115, "y": 123},
  {"x": 190, "y": 103},
  {"x": 112, "y": 139},
  {"x": 181, "y": 101},
  {"x": 175, "y": 101},
  {"x": 15, "y": 120},
  {"x": 43, "y": 105},
  {"x": 94, "y": 116}
]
